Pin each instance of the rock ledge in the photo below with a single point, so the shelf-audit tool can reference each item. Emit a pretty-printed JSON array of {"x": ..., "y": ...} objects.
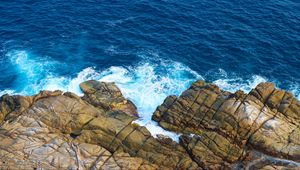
[
  {"x": 221, "y": 130},
  {"x": 235, "y": 130}
]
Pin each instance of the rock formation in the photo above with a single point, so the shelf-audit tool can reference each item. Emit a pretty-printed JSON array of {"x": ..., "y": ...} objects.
[
  {"x": 220, "y": 130},
  {"x": 56, "y": 130}
]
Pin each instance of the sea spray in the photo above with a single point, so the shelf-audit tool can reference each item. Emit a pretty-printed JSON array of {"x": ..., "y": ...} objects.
[{"x": 147, "y": 83}]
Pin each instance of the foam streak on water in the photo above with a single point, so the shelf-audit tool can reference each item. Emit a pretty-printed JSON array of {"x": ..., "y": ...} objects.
[{"x": 147, "y": 84}]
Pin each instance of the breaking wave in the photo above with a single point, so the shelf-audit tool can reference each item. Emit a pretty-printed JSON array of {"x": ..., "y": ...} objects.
[{"x": 147, "y": 84}]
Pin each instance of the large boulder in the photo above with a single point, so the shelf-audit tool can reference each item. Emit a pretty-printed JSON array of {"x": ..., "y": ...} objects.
[
  {"x": 235, "y": 129},
  {"x": 107, "y": 96}
]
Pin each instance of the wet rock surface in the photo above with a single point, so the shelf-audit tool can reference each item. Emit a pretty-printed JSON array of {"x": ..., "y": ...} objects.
[
  {"x": 223, "y": 130},
  {"x": 220, "y": 130}
]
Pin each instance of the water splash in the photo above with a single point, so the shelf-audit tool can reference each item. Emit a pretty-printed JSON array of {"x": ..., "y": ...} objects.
[
  {"x": 147, "y": 83},
  {"x": 30, "y": 71}
]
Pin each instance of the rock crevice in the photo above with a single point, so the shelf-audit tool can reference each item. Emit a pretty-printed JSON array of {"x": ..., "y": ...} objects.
[{"x": 220, "y": 130}]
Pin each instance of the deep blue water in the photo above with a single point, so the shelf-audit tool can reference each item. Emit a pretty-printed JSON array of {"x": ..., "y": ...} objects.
[{"x": 150, "y": 48}]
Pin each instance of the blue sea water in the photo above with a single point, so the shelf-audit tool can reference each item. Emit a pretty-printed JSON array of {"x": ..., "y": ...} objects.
[{"x": 151, "y": 49}]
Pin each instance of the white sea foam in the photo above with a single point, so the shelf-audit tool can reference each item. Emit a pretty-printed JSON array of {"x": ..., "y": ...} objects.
[
  {"x": 295, "y": 89},
  {"x": 67, "y": 83},
  {"x": 7, "y": 92},
  {"x": 30, "y": 71},
  {"x": 237, "y": 83},
  {"x": 147, "y": 84}
]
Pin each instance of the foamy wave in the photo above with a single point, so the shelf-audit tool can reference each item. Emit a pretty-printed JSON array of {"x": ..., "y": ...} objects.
[
  {"x": 3, "y": 92},
  {"x": 67, "y": 83},
  {"x": 30, "y": 71},
  {"x": 295, "y": 89},
  {"x": 235, "y": 84},
  {"x": 147, "y": 84}
]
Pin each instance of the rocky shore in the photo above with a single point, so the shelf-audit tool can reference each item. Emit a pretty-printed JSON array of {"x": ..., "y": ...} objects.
[{"x": 220, "y": 130}]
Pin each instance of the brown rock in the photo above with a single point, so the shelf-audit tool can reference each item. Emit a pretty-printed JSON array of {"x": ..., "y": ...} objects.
[
  {"x": 107, "y": 96},
  {"x": 220, "y": 130},
  {"x": 228, "y": 126},
  {"x": 52, "y": 130}
]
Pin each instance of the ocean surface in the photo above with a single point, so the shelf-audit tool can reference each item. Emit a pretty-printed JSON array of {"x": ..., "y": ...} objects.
[{"x": 151, "y": 49}]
